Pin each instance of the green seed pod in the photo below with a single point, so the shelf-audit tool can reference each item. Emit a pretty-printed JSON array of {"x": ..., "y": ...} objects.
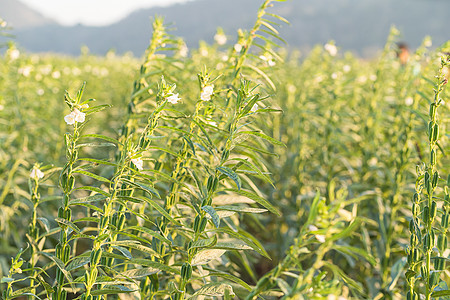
[
  {"x": 426, "y": 243},
  {"x": 121, "y": 222},
  {"x": 435, "y": 179},
  {"x": 432, "y": 238},
  {"x": 196, "y": 223},
  {"x": 225, "y": 155},
  {"x": 423, "y": 272},
  {"x": 414, "y": 240},
  {"x": 411, "y": 225},
  {"x": 439, "y": 263},
  {"x": 186, "y": 271},
  {"x": 60, "y": 212},
  {"x": 210, "y": 183},
  {"x": 433, "y": 157},
  {"x": 96, "y": 256},
  {"x": 416, "y": 254},
  {"x": 68, "y": 214},
  {"x": 440, "y": 242},
  {"x": 216, "y": 182},
  {"x": 416, "y": 198},
  {"x": 58, "y": 251},
  {"x": 63, "y": 295},
  {"x": 89, "y": 297},
  {"x": 434, "y": 276},
  {"x": 66, "y": 200},
  {"x": 203, "y": 224},
  {"x": 444, "y": 221},
  {"x": 433, "y": 111},
  {"x": 71, "y": 183},
  {"x": 66, "y": 253},
  {"x": 436, "y": 132},
  {"x": 433, "y": 210},
  {"x": 430, "y": 131},
  {"x": 425, "y": 214}
]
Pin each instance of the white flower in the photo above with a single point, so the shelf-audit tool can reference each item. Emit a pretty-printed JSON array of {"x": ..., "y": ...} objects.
[
  {"x": 2, "y": 107},
  {"x": 75, "y": 116},
  {"x": 409, "y": 101},
  {"x": 13, "y": 54},
  {"x": 36, "y": 173},
  {"x": 184, "y": 51},
  {"x": 212, "y": 123},
  {"x": 346, "y": 68},
  {"x": 334, "y": 75},
  {"x": 173, "y": 98},
  {"x": 3, "y": 23},
  {"x": 254, "y": 107},
  {"x": 207, "y": 92},
  {"x": 271, "y": 63},
  {"x": 220, "y": 39},
  {"x": 320, "y": 238},
  {"x": 204, "y": 51},
  {"x": 40, "y": 92},
  {"x": 25, "y": 71},
  {"x": 238, "y": 47},
  {"x": 56, "y": 74},
  {"x": 312, "y": 228},
  {"x": 331, "y": 49},
  {"x": 69, "y": 119},
  {"x": 79, "y": 116},
  {"x": 138, "y": 163},
  {"x": 428, "y": 42}
]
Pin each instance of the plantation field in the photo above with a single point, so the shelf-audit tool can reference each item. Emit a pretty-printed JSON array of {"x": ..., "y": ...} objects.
[{"x": 238, "y": 170}]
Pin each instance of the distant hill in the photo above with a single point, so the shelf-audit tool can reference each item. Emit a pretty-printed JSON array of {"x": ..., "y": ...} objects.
[
  {"x": 358, "y": 25},
  {"x": 20, "y": 16}
]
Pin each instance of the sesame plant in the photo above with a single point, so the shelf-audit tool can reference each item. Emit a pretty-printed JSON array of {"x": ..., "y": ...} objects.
[
  {"x": 429, "y": 223},
  {"x": 234, "y": 170}
]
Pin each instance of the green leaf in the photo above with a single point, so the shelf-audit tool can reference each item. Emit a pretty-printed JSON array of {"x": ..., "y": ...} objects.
[
  {"x": 150, "y": 232},
  {"x": 440, "y": 293},
  {"x": 142, "y": 187},
  {"x": 103, "y": 137},
  {"x": 60, "y": 266},
  {"x": 214, "y": 289},
  {"x": 78, "y": 262},
  {"x": 231, "y": 174},
  {"x": 257, "y": 199},
  {"x": 214, "y": 216},
  {"x": 137, "y": 273},
  {"x": 98, "y": 161},
  {"x": 263, "y": 136},
  {"x": 205, "y": 256},
  {"x": 111, "y": 290},
  {"x": 92, "y": 198},
  {"x": 97, "y": 177},
  {"x": 244, "y": 209},
  {"x": 205, "y": 243},
  {"x": 95, "y": 145},
  {"x": 153, "y": 264},
  {"x": 68, "y": 223}
]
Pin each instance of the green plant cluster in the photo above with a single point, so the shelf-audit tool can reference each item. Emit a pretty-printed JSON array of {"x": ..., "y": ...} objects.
[{"x": 233, "y": 171}]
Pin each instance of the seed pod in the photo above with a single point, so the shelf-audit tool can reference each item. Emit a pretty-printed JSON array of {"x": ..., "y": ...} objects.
[
  {"x": 61, "y": 212},
  {"x": 439, "y": 263},
  {"x": 426, "y": 243},
  {"x": 433, "y": 210},
  {"x": 71, "y": 183},
  {"x": 186, "y": 271},
  {"x": 216, "y": 182},
  {"x": 66, "y": 200},
  {"x": 425, "y": 214},
  {"x": 423, "y": 272},
  {"x": 416, "y": 254},
  {"x": 430, "y": 131},
  {"x": 414, "y": 240},
  {"x": 66, "y": 253},
  {"x": 436, "y": 132},
  {"x": 210, "y": 183},
  {"x": 58, "y": 251},
  {"x": 433, "y": 279},
  {"x": 121, "y": 222},
  {"x": 96, "y": 256},
  {"x": 433, "y": 157},
  {"x": 196, "y": 223},
  {"x": 411, "y": 225},
  {"x": 68, "y": 214},
  {"x": 416, "y": 198},
  {"x": 440, "y": 243},
  {"x": 203, "y": 224},
  {"x": 435, "y": 179},
  {"x": 63, "y": 295},
  {"x": 225, "y": 155},
  {"x": 433, "y": 111}
]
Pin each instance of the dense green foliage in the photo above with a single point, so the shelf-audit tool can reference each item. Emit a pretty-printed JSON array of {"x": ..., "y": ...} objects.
[{"x": 237, "y": 171}]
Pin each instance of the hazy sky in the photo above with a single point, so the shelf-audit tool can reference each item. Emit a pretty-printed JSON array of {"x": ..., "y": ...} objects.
[{"x": 91, "y": 12}]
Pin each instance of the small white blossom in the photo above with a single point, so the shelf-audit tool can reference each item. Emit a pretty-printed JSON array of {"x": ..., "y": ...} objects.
[
  {"x": 56, "y": 74},
  {"x": 13, "y": 54},
  {"x": 334, "y": 75},
  {"x": 25, "y": 71},
  {"x": 2, "y": 107},
  {"x": 138, "y": 163},
  {"x": 75, "y": 116},
  {"x": 346, "y": 68},
  {"x": 254, "y": 107},
  {"x": 271, "y": 63},
  {"x": 184, "y": 51},
  {"x": 40, "y": 92},
  {"x": 320, "y": 238},
  {"x": 36, "y": 173},
  {"x": 428, "y": 42},
  {"x": 409, "y": 101},
  {"x": 237, "y": 47},
  {"x": 207, "y": 92},
  {"x": 373, "y": 77},
  {"x": 173, "y": 98},
  {"x": 69, "y": 119},
  {"x": 331, "y": 49},
  {"x": 220, "y": 39},
  {"x": 312, "y": 228},
  {"x": 204, "y": 51},
  {"x": 3, "y": 23},
  {"x": 212, "y": 123}
]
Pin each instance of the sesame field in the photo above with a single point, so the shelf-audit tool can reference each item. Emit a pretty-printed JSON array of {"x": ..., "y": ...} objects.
[{"x": 234, "y": 170}]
